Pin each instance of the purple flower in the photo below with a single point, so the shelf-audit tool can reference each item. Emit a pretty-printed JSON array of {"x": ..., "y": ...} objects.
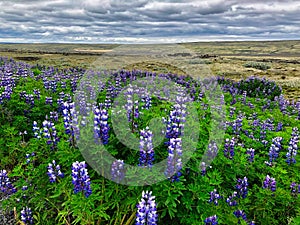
[
  {"x": 117, "y": 170},
  {"x": 293, "y": 146},
  {"x": 214, "y": 196},
  {"x": 229, "y": 148},
  {"x": 174, "y": 159},
  {"x": 242, "y": 187},
  {"x": 295, "y": 189},
  {"x": 212, "y": 220},
  {"x": 101, "y": 127},
  {"x": 81, "y": 179},
  {"x": 54, "y": 171},
  {"x": 146, "y": 148},
  {"x": 269, "y": 183},
  {"x": 5, "y": 184},
  {"x": 146, "y": 210},
  {"x": 250, "y": 152},
  {"x": 230, "y": 200},
  {"x": 240, "y": 214},
  {"x": 26, "y": 216}
]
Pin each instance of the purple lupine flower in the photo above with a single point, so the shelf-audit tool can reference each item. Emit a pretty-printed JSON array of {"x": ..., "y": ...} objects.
[
  {"x": 214, "y": 196},
  {"x": 293, "y": 146},
  {"x": 146, "y": 99},
  {"x": 229, "y": 148},
  {"x": 146, "y": 148},
  {"x": 26, "y": 215},
  {"x": 146, "y": 210},
  {"x": 117, "y": 170},
  {"x": 81, "y": 179},
  {"x": 242, "y": 187},
  {"x": 240, "y": 214},
  {"x": 279, "y": 127},
  {"x": 295, "y": 189},
  {"x": 50, "y": 134},
  {"x": 55, "y": 172},
  {"x": 273, "y": 153},
  {"x": 37, "y": 93},
  {"x": 230, "y": 200},
  {"x": 203, "y": 168},
  {"x": 54, "y": 116},
  {"x": 269, "y": 183},
  {"x": 36, "y": 130},
  {"x": 250, "y": 152},
  {"x": 5, "y": 184},
  {"x": 101, "y": 126},
  {"x": 49, "y": 101},
  {"x": 71, "y": 120},
  {"x": 212, "y": 220},
  {"x": 174, "y": 162}
]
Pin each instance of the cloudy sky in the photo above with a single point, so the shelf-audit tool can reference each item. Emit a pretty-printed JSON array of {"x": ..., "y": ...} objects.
[{"x": 142, "y": 21}]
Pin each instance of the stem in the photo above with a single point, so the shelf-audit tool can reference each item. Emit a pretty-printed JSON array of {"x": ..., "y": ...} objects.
[{"x": 131, "y": 219}]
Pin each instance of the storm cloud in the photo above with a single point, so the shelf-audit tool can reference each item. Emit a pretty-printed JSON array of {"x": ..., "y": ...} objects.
[{"x": 141, "y": 21}]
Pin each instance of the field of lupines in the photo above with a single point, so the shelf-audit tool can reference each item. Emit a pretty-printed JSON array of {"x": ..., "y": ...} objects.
[{"x": 253, "y": 179}]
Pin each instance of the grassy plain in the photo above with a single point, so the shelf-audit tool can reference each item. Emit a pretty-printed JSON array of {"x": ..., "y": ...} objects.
[{"x": 220, "y": 58}]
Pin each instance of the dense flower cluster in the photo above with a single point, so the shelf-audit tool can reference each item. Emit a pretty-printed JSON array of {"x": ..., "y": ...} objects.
[
  {"x": 250, "y": 152},
  {"x": 269, "y": 183},
  {"x": 5, "y": 184},
  {"x": 26, "y": 216},
  {"x": 212, "y": 220},
  {"x": 146, "y": 148},
  {"x": 229, "y": 148},
  {"x": 242, "y": 187},
  {"x": 174, "y": 162},
  {"x": 214, "y": 197},
  {"x": 146, "y": 210},
  {"x": 101, "y": 126},
  {"x": 293, "y": 146},
  {"x": 240, "y": 214},
  {"x": 70, "y": 119},
  {"x": 81, "y": 179},
  {"x": 55, "y": 172},
  {"x": 49, "y": 132}
]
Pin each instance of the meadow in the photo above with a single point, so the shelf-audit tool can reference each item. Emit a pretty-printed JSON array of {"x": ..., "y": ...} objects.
[{"x": 148, "y": 143}]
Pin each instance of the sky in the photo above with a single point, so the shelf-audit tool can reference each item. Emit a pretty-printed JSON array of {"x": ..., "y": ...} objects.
[{"x": 141, "y": 21}]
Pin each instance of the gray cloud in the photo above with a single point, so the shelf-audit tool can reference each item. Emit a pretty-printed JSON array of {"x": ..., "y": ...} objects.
[{"x": 134, "y": 21}]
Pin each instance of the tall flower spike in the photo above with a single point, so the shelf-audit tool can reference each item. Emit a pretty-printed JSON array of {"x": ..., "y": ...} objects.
[
  {"x": 5, "y": 184},
  {"x": 269, "y": 183},
  {"x": 146, "y": 210},
  {"x": 250, "y": 152},
  {"x": 54, "y": 172},
  {"x": 117, "y": 170},
  {"x": 174, "y": 162},
  {"x": 146, "y": 148},
  {"x": 242, "y": 187},
  {"x": 26, "y": 216},
  {"x": 81, "y": 179}
]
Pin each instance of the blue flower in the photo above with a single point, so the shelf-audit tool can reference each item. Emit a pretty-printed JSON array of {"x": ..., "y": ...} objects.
[
  {"x": 146, "y": 210},
  {"x": 81, "y": 179}
]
